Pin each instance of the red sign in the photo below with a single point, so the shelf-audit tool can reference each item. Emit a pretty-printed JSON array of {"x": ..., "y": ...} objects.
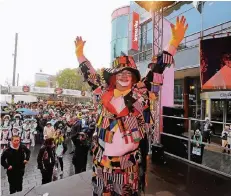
[
  {"x": 135, "y": 31},
  {"x": 26, "y": 89},
  {"x": 59, "y": 91}
]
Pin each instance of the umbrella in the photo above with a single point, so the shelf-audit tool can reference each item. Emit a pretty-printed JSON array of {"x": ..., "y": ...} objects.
[
  {"x": 23, "y": 110},
  {"x": 30, "y": 113}
]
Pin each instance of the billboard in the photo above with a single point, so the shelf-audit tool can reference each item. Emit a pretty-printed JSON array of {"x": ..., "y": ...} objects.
[
  {"x": 215, "y": 63},
  {"x": 135, "y": 31}
]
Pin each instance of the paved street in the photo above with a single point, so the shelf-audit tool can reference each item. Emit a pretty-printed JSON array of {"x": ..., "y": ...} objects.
[{"x": 33, "y": 176}]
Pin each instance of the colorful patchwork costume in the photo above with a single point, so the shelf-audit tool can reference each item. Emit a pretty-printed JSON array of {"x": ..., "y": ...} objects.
[{"x": 120, "y": 147}]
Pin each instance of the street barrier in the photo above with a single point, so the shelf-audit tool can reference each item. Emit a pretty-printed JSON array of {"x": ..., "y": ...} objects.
[{"x": 213, "y": 156}]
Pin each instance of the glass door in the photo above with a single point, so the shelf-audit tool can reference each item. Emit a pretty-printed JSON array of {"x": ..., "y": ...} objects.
[
  {"x": 228, "y": 118},
  {"x": 217, "y": 114}
]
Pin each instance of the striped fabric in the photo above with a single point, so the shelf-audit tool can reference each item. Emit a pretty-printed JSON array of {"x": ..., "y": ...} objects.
[
  {"x": 105, "y": 123},
  {"x": 168, "y": 58},
  {"x": 138, "y": 106},
  {"x": 131, "y": 122}
]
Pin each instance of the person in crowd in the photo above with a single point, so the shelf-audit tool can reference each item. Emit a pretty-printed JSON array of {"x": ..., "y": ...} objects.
[
  {"x": 26, "y": 134},
  {"x": 17, "y": 122},
  {"x": 14, "y": 159},
  {"x": 224, "y": 137},
  {"x": 61, "y": 148},
  {"x": 76, "y": 128},
  {"x": 5, "y": 137},
  {"x": 60, "y": 125},
  {"x": 197, "y": 147},
  {"x": 49, "y": 131},
  {"x": 33, "y": 131},
  {"x": 15, "y": 132},
  {"x": 46, "y": 160},
  {"x": 6, "y": 121},
  {"x": 79, "y": 159},
  {"x": 229, "y": 140},
  {"x": 207, "y": 130}
]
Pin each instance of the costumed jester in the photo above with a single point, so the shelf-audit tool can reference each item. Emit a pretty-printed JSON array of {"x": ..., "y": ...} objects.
[
  {"x": 5, "y": 137},
  {"x": 17, "y": 122},
  {"x": 15, "y": 131},
  {"x": 26, "y": 134},
  {"x": 6, "y": 122},
  {"x": 6, "y": 127},
  {"x": 120, "y": 150},
  {"x": 33, "y": 131}
]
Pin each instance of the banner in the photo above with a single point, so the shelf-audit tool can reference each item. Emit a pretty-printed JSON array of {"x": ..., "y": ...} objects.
[
  {"x": 135, "y": 31},
  {"x": 215, "y": 63}
]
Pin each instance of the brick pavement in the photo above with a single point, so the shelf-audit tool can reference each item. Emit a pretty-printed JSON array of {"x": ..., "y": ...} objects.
[{"x": 33, "y": 177}]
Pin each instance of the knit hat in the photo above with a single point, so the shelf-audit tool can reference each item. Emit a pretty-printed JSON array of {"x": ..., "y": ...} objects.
[{"x": 119, "y": 64}]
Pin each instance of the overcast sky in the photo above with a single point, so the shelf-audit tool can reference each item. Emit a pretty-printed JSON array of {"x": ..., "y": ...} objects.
[{"x": 47, "y": 29}]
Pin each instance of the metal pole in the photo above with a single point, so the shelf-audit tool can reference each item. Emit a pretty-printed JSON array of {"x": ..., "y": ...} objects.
[
  {"x": 15, "y": 62},
  {"x": 189, "y": 139},
  {"x": 153, "y": 31},
  {"x": 202, "y": 27},
  {"x": 17, "y": 79}
]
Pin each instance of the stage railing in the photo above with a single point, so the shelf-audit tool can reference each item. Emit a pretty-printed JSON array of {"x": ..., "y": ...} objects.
[
  {"x": 214, "y": 156},
  {"x": 189, "y": 41}
]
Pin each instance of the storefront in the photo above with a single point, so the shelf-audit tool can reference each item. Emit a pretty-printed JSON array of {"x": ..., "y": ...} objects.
[{"x": 217, "y": 106}]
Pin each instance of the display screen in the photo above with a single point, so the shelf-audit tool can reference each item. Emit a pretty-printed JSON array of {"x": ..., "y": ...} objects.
[{"x": 215, "y": 63}]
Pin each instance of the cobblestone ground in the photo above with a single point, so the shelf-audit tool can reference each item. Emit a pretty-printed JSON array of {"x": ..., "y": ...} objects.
[{"x": 33, "y": 177}]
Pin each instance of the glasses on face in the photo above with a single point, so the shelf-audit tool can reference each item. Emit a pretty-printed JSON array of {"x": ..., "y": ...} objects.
[{"x": 125, "y": 73}]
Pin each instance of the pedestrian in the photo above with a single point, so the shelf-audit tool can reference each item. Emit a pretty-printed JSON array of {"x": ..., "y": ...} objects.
[
  {"x": 79, "y": 159},
  {"x": 49, "y": 131},
  {"x": 60, "y": 148},
  {"x": 46, "y": 160},
  {"x": 14, "y": 159},
  {"x": 207, "y": 131}
]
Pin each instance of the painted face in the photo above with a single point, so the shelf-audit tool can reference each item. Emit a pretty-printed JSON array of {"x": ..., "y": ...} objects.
[{"x": 124, "y": 78}]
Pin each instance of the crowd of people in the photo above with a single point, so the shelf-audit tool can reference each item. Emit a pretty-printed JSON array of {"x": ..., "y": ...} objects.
[{"x": 51, "y": 127}]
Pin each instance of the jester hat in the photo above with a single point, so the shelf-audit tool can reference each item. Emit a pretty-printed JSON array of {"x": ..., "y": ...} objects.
[{"x": 118, "y": 65}]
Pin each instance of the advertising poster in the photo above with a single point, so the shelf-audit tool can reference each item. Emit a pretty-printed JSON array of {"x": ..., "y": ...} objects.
[{"x": 215, "y": 63}]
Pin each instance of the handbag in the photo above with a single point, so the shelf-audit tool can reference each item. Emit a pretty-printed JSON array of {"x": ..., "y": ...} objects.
[
  {"x": 59, "y": 150},
  {"x": 196, "y": 151}
]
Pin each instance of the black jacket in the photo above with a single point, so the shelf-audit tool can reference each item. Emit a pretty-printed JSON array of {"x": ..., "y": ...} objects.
[
  {"x": 81, "y": 150},
  {"x": 76, "y": 128},
  {"x": 46, "y": 158},
  {"x": 15, "y": 158}
]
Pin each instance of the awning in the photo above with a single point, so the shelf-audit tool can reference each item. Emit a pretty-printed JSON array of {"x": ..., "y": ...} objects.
[{"x": 187, "y": 71}]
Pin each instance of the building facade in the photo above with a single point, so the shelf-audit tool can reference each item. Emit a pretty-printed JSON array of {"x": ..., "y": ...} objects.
[
  {"x": 119, "y": 36},
  {"x": 45, "y": 80},
  {"x": 215, "y": 18}
]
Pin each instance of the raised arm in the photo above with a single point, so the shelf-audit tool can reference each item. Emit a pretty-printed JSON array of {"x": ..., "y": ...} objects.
[
  {"x": 89, "y": 73},
  {"x": 165, "y": 59}
]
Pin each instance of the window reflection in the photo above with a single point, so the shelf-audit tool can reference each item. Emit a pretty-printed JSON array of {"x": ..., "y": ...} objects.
[{"x": 122, "y": 26}]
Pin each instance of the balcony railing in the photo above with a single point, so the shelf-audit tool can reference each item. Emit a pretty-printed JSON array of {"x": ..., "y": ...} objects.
[{"x": 192, "y": 40}]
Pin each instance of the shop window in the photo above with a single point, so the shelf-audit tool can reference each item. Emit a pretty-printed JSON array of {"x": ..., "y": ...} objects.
[{"x": 149, "y": 39}]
